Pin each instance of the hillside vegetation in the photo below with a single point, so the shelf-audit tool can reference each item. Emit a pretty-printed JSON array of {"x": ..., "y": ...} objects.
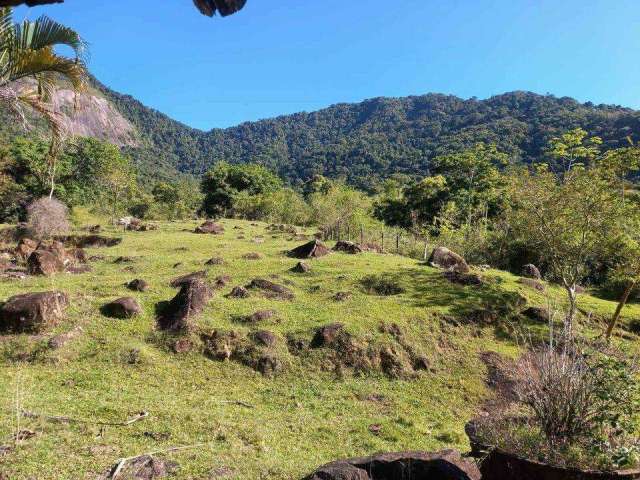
[
  {"x": 281, "y": 424},
  {"x": 363, "y": 143}
]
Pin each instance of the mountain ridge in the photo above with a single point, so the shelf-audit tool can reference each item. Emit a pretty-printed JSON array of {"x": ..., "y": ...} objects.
[{"x": 366, "y": 142}]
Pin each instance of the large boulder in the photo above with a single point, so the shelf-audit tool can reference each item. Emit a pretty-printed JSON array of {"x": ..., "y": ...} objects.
[
  {"x": 179, "y": 281},
  {"x": 210, "y": 227},
  {"x": 328, "y": 334},
  {"x": 313, "y": 249},
  {"x": 177, "y": 315},
  {"x": 531, "y": 271},
  {"x": 442, "y": 257},
  {"x": 270, "y": 289},
  {"x": 26, "y": 247},
  {"x": 32, "y": 312},
  {"x": 347, "y": 247},
  {"x": 125, "y": 307},
  {"x": 138, "y": 285},
  {"x": 44, "y": 262},
  {"x": 444, "y": 465}
]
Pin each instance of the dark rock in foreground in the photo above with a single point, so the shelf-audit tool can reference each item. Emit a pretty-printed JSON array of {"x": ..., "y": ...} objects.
[
  {"x": 444, "y": 465},
  {"x": 44, "y": 262},
  {"x": 177, "y": 314},
  {"x": 32, "y": 312}
]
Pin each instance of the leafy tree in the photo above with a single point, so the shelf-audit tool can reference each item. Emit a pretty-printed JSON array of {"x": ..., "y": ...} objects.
[
  {"x": 470, "y": 179},
  {"x": 572, "y": 222},
  {"x": 224, "y": 181},
  {"x": 574, "y": 148}
]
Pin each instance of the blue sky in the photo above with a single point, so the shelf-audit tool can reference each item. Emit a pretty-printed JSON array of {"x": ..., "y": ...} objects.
[{"x": 284, "y": 56}]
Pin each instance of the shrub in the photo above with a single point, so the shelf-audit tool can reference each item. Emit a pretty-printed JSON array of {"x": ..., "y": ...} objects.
[
  {"x": 572, "y": 408},
  {"x": 47, "y": 217}
]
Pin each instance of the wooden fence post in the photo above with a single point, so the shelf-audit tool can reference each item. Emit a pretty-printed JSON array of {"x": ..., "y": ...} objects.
[
  {"x": 397, "y": 243},
  {"x": 426, "y": 248},
  {"x": 361, "y": 235},
  {"x": 382, "y": 246}
]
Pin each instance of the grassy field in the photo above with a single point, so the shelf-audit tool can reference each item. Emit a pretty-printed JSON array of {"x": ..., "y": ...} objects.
[{"x": 300, "y": 418}]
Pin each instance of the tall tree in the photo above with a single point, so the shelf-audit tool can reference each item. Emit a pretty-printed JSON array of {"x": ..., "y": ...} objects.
[
  {"x": 30, "y": 70},
  {"x": 572, "y": 221}
]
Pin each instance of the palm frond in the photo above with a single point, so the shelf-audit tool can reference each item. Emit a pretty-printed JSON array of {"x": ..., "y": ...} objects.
[
  {"x": 31, "y": 63},
  {"x": 45, "y": 32}
]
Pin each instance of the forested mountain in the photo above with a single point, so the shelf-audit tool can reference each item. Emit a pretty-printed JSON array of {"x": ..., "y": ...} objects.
[{"x": 369, "y": 141}]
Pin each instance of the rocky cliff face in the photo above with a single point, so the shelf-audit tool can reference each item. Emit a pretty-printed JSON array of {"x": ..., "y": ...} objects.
[{"x": 91, "y": 115}]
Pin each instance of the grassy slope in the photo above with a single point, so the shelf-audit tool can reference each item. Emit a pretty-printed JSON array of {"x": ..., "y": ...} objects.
[{"x": 302, "y": 417}]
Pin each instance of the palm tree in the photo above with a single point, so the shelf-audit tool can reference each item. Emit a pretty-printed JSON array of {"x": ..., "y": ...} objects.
[{"x": 30, "y": 70}]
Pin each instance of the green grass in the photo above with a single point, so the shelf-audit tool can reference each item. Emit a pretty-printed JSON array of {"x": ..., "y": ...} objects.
[{"x": 303, "y": 417}]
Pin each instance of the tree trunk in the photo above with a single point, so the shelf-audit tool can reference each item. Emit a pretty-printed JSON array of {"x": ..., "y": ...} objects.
[
  {"x": 568, "y": 321},
  {"x": 621, "y": 304}
]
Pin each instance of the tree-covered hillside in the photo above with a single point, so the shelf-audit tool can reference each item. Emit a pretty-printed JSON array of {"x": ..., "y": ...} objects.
[{"x": 372, "y": 140}]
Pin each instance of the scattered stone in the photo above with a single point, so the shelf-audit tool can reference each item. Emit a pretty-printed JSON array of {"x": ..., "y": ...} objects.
[
  {"x": 179, "y": 281},
  {"x": 313, "y": 249},
  {"x": 138, "y": 285},
  {"x": 94, "y": 228},
  {"x": 183, "y": 345},
  {"x": 260, "y": 316},
  {"x": 210, "y": 227},
  {"x": 177, "y": 314},
  {"x": 123, "y": 259},
  {"x": 264, "y": 337},
  {"x": 375, "y": 428},
  {"x": 145, "y": 467},
  {"x": 215, "y": 261},
  {"x": 465, "y": 279},
  {"x": 125, "y": 307},
  {"x": 252, "y": 256},
  {"x": 89, "y": 241},
  {"x": 537, "y": 314},
  {"x": 531, "y": 283},
  {"x": 301, "y": 267},
  {"x": 32, "y": 312},
  {"x": 531, "y": 271},
  {"x": 78, "y": 269},
  {"x": 442, "y": 257},
  {"x": 221, "y": 281},
  {"x": 326, "y": 335},
  {"x": 26, "y": 247},
  {"x": 443, "y": 465},
  {"x": 58, "y": 341},
  {"x": 500, "y": 375},
  {"x": 239, "y": 292},
  {"x": 14, "y": 274},
  {"x": 271, "y": 289},
  {"x": 220, "y": 472},
  {"x": 43, "y": 262},
  {"x": 347, "y": 247},
  {"x": 176, "y": 265},
  {"x": 483, "y": 317},
  {"x": 342, "y": 296}
]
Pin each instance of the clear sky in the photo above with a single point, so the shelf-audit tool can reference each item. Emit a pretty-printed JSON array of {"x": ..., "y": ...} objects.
[{"x": 283, "y": 56}]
